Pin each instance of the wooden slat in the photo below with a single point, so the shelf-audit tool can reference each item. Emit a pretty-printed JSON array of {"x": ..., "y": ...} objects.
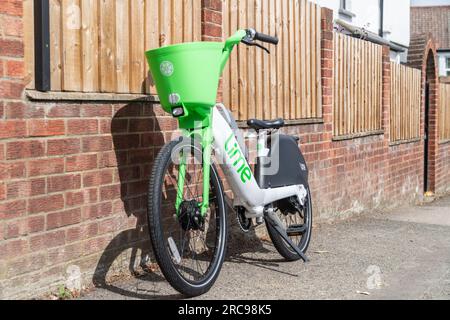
[
  {"x": 444, "y": 112},
  {"x": 137, "y": 49},
  {"x": 56, "y": 63},
  {"x": 107, "y": 36},
  {"x": 123, "y": 72},
  {"x": 151, "y": 37},
  {"x": 71, "y": 45},
  {"x": 89, "y": 44}
]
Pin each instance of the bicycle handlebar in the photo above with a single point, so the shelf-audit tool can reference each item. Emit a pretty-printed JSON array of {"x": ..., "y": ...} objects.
[{"x": 266, "y": 38}]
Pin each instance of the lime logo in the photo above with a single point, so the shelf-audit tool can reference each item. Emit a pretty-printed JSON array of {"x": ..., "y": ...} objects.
[
  {"x": 235, "y": 154},
  {"x": 166, "y": 68}
]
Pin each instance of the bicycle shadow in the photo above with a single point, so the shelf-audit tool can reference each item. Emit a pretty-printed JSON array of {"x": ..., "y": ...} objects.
[{"x": 137, "y": 138}]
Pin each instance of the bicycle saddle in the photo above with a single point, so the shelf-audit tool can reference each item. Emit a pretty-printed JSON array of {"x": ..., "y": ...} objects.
[{"x": 265, "y": 125}]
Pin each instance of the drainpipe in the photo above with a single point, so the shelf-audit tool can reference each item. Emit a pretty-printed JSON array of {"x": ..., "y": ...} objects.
[{"x": 381, "y": 34}]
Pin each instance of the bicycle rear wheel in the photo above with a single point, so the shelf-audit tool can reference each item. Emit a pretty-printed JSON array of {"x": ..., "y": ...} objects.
[
  {"x": 300, "y": 222},
  {"x": 190, "y": 249}
]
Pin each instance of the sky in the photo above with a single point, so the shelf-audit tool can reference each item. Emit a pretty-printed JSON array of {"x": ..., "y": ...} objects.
[{"x": 430, "y": 2}]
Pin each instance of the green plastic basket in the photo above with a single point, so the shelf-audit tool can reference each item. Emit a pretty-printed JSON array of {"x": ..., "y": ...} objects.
[{"x": 187, "y": 75}]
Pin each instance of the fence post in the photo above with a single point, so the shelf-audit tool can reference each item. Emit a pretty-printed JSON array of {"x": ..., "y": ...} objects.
[
  {"x": 386, "y": 99},
  {"x": 327, "y": 48}
]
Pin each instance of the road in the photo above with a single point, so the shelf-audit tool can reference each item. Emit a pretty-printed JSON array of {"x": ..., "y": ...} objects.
[{"x": 403, "y": 254}]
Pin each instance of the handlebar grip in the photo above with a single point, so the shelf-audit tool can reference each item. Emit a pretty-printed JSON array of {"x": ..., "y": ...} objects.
[{"x": 266, "y": 38}]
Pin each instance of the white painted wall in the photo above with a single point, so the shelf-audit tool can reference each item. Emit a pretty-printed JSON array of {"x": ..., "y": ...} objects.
[{"x": 396, "y": 17}]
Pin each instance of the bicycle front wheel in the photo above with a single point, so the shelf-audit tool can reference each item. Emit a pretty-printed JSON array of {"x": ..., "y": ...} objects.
[{"x": 190, "y": 248}]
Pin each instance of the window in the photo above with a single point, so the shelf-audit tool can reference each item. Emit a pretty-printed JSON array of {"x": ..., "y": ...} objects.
[
  {"x": 345, "y": 9},
  {"x": 345, "y": 5},
  {"x": 447, "y": 66}
]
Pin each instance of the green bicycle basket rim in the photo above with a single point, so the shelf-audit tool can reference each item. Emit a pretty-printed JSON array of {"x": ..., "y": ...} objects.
[{"x": 191, "y": 45}]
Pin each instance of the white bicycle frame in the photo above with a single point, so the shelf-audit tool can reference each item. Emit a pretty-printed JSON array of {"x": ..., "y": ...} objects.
[{"x": 247, "y": 192}]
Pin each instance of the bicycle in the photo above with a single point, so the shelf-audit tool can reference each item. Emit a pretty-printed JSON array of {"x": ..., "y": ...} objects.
[{"x": 187, "y": 211}]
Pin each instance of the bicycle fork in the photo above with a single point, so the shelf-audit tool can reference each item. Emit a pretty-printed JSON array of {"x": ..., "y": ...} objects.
[{"x": 206, "y": 145}]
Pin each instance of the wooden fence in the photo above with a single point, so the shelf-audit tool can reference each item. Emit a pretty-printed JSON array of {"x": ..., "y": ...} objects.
[
  {"x": 357, "y": 86},
  {"x": 444, "y": 114},
  {"x": 99, "y": 45},
  {"x": 406, "y": 100},
  {"x": 286, "y": 83}
]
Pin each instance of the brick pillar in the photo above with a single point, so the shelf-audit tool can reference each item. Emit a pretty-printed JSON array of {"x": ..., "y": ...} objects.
[
  {"x": 212, "y": 27},
  {"x": 386, "y": 99},
  {"x": 11, "y": 85},
  {"x": 212, "y": 20},
  {"x": 327, "y": 71}
]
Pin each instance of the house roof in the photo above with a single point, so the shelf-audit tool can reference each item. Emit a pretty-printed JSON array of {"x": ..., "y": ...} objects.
[{"x": 434, "y": 20}]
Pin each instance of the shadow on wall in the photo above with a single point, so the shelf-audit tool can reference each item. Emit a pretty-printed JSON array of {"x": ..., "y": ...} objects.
[{"x": 137, "y": 139}]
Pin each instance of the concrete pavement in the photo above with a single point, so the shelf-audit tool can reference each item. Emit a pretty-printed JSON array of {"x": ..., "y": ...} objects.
[{"x": 404, "y": 254}]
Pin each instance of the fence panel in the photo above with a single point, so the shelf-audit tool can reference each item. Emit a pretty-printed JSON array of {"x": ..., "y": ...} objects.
[
  {"x": 444, "y": 113},
  {"x": 286, "y": 83},
  {"x": 98, "y": 45},
  {"x": 357, "y": 86},
  {"x": 406, "y": 101}
]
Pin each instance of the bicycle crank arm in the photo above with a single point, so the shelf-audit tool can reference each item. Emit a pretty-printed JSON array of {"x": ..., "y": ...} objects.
[{"x": 276, "y": 224}]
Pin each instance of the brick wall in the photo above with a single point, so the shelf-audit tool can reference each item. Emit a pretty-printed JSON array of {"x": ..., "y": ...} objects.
[{"x": 73, "y": 175}]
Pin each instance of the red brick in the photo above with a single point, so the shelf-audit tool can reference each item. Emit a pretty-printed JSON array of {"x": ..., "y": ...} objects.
[
  {"x": 47, "y": 241},
  {"x": 97, "y": 178},
  {"x": 10, "y": 89},
  {"x": 213, "y": 4},
  {"x": 82, "y": 127},
  {"x": 12, "y": 7},
  {"x": 141, "y": 125},
  {"x": 212, "y": 16},
  {"x": 12, "y": 26},
  {"x": 14, "y": 69},
  {"x": 81, "y": 163},
  {"x": 46, "y": 167},
  {"x": 79, "y": 233},
  {"x": 74, "y": 199},
  {"x": 63, "y": 219},
  {"x": 12, "y": 129},
  {"x": 110, "y": 159},
  {"x": 19, "y": 110},
  {"x": 13, "y": 249},
  {"x": 110, "y": 193},
  {"x": 91, "y": 111},
  {"x": 166, "y": 124},
  {"x": 63, "y": 147},
  {"x": 46, "y": 204},
  {"x": 11, "y": 48},
  {"x": 63, "y": 183},
  {"x": 115, "y": 126},
  {"x": 64, "y": 111},
  {"x": 2, "y": 191},
  {"x": 212, "y": 30},
  {"x": 36, "y": 224},
  {"x": 26, "y": 188},
  {"x": 12, "y": 209},
  {"x": 97, "y": 211},
  {"x": 126, "y": 142},
  {"x": 12, "y": 170},
  {"x": 25, "y": 149},
  {"x": 96, "y": 144},
  {"x": 46, "y": 128}
]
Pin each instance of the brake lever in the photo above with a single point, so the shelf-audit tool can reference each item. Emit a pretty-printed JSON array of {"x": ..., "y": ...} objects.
[{"x": 255, "y": 44}]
